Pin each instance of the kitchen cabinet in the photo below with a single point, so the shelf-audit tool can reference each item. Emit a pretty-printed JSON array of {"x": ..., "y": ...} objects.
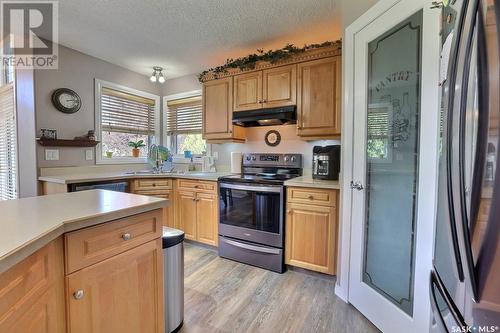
[
  {"x": 318, "y": 98},
  {"x": 269, "y": 88},
  {"x": 114, "y": 276},
  {"x": 218, "y": 112},
  {"x": 157, "y": 187},
  {"x": 186, "y": 213},
  {"x": 197, "y": 210},
  {"x": 121, "y": 294},
  {"x": 311, "y": 229},
  {"x": 32, "y": 293}
]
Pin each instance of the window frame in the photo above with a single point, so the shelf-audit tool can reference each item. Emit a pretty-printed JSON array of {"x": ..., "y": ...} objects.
[
  {"x": 99, "y": 84},
  {"x": 168, "y": 141}
]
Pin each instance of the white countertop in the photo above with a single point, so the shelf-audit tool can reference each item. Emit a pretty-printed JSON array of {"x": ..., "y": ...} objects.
[
  {"x": 103, "y": 176},
  {"x": 28, "y": 224},
  {"x": 308, "y": 181}
]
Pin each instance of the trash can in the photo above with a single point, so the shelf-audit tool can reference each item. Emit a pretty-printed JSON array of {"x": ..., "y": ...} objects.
[{"x": 173, "y": 266}]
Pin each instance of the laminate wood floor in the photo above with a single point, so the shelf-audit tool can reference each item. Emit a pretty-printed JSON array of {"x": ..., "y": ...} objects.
[{"x": 224, "y": 296}]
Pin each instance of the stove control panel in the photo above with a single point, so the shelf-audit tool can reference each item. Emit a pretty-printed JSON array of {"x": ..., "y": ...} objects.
[{"x": 273, "y": 160}]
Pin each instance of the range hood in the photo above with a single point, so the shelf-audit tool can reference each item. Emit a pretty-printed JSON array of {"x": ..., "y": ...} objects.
[{"x": 266, "y": 117}]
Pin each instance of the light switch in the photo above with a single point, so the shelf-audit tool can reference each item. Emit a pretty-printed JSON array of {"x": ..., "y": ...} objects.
[
  {"x": 52, "y": 154},
  {"x": 89, "y": 156}
]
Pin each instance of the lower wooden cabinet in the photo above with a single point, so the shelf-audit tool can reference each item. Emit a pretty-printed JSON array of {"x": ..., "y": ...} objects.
[
  {"x": 32, "y": 293},
  {"x": 121, "y": 294},
  {"x": 157, "y": 187},
  {"x": 311, "y": 235},
  {"x": 197, "y": 211}
]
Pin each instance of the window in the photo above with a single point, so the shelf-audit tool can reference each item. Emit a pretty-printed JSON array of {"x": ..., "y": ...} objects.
[
  {"x": 184, "y": 124},
  {"x": 123, "y": 115},
  {"x": 8, "y": 139}
]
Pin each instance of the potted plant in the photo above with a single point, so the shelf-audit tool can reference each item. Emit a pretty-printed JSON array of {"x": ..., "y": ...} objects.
[{"x": 135, "y": 147}]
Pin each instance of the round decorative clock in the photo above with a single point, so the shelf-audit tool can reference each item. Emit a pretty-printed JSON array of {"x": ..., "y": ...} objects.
[
  {"x": 273, "y": 138},
  {"x": 66, "y": 100}
]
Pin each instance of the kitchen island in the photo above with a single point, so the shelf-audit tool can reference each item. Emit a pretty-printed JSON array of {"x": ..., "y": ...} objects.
[{"x": 83, "y": 261}]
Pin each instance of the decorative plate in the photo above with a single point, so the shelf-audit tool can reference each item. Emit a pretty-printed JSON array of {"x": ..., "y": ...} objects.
[{"x": 273, "y": 138}]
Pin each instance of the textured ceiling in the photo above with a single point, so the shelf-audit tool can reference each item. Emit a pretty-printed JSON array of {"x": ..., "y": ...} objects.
[{"x": 187, "y": 36}]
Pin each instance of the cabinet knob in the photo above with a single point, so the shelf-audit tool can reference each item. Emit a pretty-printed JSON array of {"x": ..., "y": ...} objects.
[
  {"x": 78, "y": 294},
  {"x": 153, "y": 184},
  {"x": 264, "y": 101},
  {"x": 310, "y": 197},
  {"x": 289, "y": 211},
  {"x": 194, "y": 199},
  {"x": 197, "y": 186},
  {"x": 126, "y": 236}
]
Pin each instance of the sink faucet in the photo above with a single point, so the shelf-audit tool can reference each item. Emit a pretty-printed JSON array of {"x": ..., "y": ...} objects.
[{"x": 154, "y": 158}]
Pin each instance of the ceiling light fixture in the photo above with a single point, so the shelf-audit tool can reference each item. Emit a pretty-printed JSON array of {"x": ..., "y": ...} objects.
[{"x": 157, "y": 75}]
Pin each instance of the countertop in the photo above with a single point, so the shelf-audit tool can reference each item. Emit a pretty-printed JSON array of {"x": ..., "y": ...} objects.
[
  {"x": 103, "y": 176},
  {"x": 26, "y": 225},
  {"x": 308, "y": 181}
]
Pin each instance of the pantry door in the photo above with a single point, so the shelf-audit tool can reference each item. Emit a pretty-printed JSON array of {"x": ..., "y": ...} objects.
[{"x": 386, "y": 185}]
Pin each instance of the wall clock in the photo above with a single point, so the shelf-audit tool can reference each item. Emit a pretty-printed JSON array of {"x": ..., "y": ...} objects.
[
  {"x": 66, "y": 100},
  {"x": 273, "y": 138}
]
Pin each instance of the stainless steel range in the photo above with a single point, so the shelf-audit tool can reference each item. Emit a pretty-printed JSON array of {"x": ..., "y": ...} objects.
[{"x": 252, "y": 209}]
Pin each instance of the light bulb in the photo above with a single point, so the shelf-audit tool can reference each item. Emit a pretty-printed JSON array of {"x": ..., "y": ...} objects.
[
  {"x": 152, "y": 78},
  {"x": 161, "y": 79}
]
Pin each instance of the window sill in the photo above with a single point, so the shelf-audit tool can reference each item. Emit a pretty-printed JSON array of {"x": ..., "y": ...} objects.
[{"x": 122, "y": 160}]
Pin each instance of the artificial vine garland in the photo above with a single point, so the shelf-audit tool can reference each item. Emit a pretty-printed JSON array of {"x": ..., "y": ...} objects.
[{"x": 249, "y": 62}]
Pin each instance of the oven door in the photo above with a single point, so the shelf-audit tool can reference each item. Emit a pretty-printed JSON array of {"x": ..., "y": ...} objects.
[{"x": 252, "y": 212}]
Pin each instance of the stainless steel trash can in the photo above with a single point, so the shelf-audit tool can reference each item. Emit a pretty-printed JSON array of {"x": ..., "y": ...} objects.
[{"x": 173, "y": 266}]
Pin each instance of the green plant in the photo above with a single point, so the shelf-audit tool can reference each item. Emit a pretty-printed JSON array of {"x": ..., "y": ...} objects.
[
  {"x": 136, "y": 144},
  {"x": 273, "y": 56}
]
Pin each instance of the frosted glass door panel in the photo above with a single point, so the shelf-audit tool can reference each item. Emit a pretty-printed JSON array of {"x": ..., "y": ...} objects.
[{"x": 392, "y": 153}]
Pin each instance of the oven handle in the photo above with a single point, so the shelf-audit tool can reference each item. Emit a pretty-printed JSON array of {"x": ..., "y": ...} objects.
[
  {"x": 273, "y": 189},
  {"x": 251, "y": 247}
]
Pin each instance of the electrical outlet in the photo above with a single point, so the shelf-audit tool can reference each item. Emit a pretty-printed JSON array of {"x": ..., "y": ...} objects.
[
  {"x": 52, "y": 154},
  {"x": 89, "y": 155}
]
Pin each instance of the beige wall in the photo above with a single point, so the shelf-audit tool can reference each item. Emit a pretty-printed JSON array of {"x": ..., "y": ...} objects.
[{"x": 77, "y": 71}]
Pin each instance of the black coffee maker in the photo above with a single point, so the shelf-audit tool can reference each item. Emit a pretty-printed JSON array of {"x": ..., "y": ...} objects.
[{"x": 326, "y": 162}]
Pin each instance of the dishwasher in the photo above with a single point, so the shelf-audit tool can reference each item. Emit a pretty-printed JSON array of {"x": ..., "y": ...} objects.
[{"x": 118, "y": 186}]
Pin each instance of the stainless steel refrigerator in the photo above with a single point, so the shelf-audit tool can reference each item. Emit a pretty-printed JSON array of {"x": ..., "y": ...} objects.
[{"x": 465, "y": 281}]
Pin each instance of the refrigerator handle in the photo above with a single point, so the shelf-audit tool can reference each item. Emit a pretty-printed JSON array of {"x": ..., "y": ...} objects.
[{"x": 435, "y": 281}]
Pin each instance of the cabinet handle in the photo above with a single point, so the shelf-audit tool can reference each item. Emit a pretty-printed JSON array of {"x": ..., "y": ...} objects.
[
  {"x": 194, "y": 199},
  {"x": 78, "y": 294},
  {"x": 289, "y": 211},
  {"x": 197, "y": 186},
  {"x": 126, "y": 236},
  {"x": 310, "y": 197},
  {"x": 264, "y": 101},
  {"x": 154, "y": 184}
]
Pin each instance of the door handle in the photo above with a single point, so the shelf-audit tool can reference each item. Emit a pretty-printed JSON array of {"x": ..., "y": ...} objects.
[
  {"x": 78, "y": 294},
  {"x": 356, "y": 185}
]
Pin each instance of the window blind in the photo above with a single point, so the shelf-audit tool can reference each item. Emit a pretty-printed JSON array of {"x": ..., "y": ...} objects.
[
  {"x": 8, "y": 143},
  {"x": 378, "y": 125},
  {"x": 126, "y": 113},
  {"x": 184, "y": 116}
]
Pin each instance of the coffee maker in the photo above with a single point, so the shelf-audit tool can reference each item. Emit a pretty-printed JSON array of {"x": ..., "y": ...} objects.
[{"x": 326, "y": 162}]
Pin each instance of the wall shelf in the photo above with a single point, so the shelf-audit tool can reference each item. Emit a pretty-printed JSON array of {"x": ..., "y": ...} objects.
[{"x": 66, "y": 143}]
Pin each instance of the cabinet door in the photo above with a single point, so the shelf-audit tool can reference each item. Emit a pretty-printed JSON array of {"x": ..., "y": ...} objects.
[
  {"x": 311, "y": 235},
  {"x": 318, "y": 98},
  {"x": 32, "y": 293},
  {"x": 248, "y": 91},
  {"x": 217, "y": 109},
  {"x": 206, "y": 212},
  {"x": 186, "y": 213},
  {"x": 279, "y": 86},
  {"x": 120, "y": 294}
]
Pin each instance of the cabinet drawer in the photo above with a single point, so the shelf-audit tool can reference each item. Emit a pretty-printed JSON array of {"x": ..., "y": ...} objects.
[
  {"x": 312, "y": 196},
  {"x": 90, "y": 245},
  {"x": 197, "y": 185},
  {"x": 154, "y": 184}
]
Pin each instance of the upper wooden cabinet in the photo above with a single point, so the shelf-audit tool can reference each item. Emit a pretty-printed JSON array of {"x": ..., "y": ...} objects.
[
  {"x": 279, "y": 86},
  {"x": 269, "y": 88},
  {"x": 248, "y": 91},
  {"x": 318, "y": 98},
  {"x": 218, "y": 112}
]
